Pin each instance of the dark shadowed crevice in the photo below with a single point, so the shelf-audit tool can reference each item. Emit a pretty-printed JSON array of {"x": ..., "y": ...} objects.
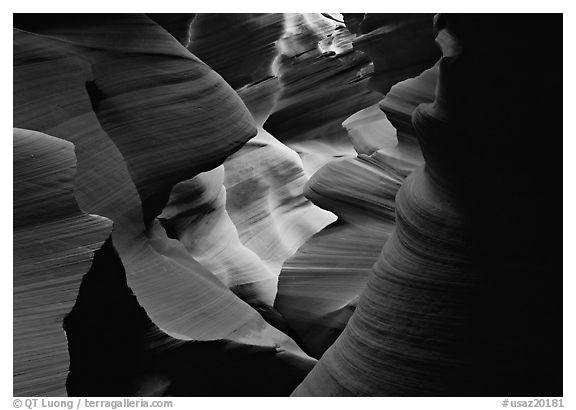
[{"x": 116, "y": 350}]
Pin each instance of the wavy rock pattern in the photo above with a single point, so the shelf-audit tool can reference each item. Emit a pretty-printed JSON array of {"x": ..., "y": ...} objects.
[
  {"x": 245, "y": 230},
  {"x": 313, "y": 57},
  {"x": 277, "y": 226},
  {"x": 142, "y": 258},
  {"x": 266, "y": 181},
  {"x": 240, "y": 46},
  {"x": 370, "y": 130},
  {"x": 130, "y": 100},
  {"x": 243, "y": 226},
  {"x": 379, "y": 35},
  {"x": 364, "y": 194},
  {"x": 177, "y": 24},
  {"x": 321, "y": 88},
  {"x": 116, "y": 350},
  {"x": 400, "y": 103},
  {"x": 449, "y": 306},
  {"x": 361, "y": 192},
  {"x": 436, "y": 279},
  {"x": 196, "y": 216},
  {"x": 319, "y": 286},
  {"x": 54, "y": 242}
]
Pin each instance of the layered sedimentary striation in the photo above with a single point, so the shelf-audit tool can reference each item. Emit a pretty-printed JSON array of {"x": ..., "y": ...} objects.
[
  {"x": 239, "y": 46},
  {"x": 144, "y": 114},
  {"x": 116, "y": 350},
  {"x": 379, "y": 36},
  {"x": 206, "y": 223},
  {"x": 324, "y": 81},
  {"x": 93, "y": 117},
  {"x": 269, "y": 176},
  {"x": 54, "y": 242},
  {"x": 450, "y": 305},
  {"x": 324, "y": 279},
  {"x": 196, "y": 215},
  {"x": 250, "y": 215},
  {"x": 244, "y": 219},
  {"x": 319, "y": 287}
]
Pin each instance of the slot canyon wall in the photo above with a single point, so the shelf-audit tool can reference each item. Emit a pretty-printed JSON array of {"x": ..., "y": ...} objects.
[
  {"x": 452, "y": 303},
  {"x": 287, "y": 204}
]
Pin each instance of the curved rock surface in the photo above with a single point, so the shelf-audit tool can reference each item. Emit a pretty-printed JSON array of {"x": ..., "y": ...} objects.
[
  {"x": 196, "y": 216},
  {"x": 243, "y": 220},
  {"x": 322, "y": 79},
  {"x": 370, "y": 130},
  {"x": 400, "y": 103},
  {"x": 450, "y": 305},
  {"x": 131, "y": 100},
  {"x": 379, "y": 36},
  {"x": 116, "y": 350},
  {"x": 141, "y": 257},
  {"x": 54, "y": 242},
  {"x": 319, "y": 286},
  {"x": 321, "y": 87},
  {"x": 431, "y": 282},
  {"x": 361, "y": 192},
  {"x": 270, "y": 177},
  {"x": 244, "y": 231},
  {"x": 238, "y": 46}
]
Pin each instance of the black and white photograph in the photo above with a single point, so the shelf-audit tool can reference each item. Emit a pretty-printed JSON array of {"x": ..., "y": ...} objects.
[{"x": 283, "y": 204}]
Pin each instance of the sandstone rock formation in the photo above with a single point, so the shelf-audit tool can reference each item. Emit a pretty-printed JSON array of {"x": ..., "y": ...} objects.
[
  {"x": 54, "y": 243},
  {"x": 243, "y": 220},
  {"x": 379, "y": 35},
  {"x": 307, "y": 186},
  {"x": 319, "y": 287},
  {"x": 116, "y": 350},
  {"x": 322, "y": 85},
  {"x": 308, "y": 295},
  {"x": 240, "y": 46},
  {"x": 130, "y": 96},
  {"x": 451, "y": 304}
]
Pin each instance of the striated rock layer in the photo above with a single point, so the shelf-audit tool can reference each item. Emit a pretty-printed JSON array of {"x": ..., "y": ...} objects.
[
  {"x": 379, "y": 36},
  {"x": 208, "y": 208},
  {"x": 324, "y": 279},
  {"x": 466, "y": 298},
  {"x": 54, "y": 243},
  {"x": 197, "y": 217},
  {"x": 129, "y": 154},
  {"x": 144, "y": 114},
  {"x": 116, "y": 350},
  {"x": 324, "y": 81},
  {"x": 238, "y": 46},
  {"x": 243, "y": 220},
  {"x": 319, "y": 287}
]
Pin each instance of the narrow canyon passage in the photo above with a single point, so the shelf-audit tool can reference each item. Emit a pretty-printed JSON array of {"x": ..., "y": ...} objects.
[{"x": 276, "y": 204}]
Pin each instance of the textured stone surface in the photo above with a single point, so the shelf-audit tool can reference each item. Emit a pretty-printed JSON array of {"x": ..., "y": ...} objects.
[
  {"x": 223, "y": 174},
  {"x": 144, "y": 114},
  {"x": 451, "y": 304},
  {"x": 54, "y": 242},
  {"x": 243, "y": 220},
  {"x": 361, "y": 192},
  {"x": 379, "y": 36}
]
